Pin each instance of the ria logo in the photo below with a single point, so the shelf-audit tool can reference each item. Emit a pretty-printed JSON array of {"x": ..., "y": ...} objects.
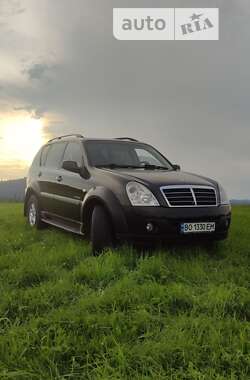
[
  {"x": 166, "y": 23},
  {"x": 197, "y": 24}
]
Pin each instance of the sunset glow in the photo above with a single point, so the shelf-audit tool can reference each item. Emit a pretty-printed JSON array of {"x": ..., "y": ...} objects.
[{"x": 21, "y": 137}]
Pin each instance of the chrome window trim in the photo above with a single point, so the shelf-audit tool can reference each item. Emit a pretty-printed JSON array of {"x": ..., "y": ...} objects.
[{"x": 191, "y": 188}]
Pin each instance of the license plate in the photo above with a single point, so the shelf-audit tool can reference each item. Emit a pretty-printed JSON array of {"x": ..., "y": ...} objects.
[{"x": 191, "y": 228}]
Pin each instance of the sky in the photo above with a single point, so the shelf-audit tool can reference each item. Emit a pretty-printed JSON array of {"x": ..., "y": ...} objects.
[{"x": 62, "y": 71}]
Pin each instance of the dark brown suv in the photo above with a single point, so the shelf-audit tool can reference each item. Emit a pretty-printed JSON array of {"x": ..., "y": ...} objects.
[{"x": 121, "y": 189}]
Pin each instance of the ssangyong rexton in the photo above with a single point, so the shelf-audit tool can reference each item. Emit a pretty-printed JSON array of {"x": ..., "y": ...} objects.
[{"x": 121, "y": 189}]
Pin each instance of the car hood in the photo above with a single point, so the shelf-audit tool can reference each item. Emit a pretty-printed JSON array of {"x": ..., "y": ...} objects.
[{"x": 161, "y": 178}]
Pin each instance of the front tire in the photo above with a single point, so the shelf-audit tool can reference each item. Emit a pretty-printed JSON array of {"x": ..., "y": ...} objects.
[
  {"x": 101, "y": 234},
  {"x": 33, "y": 213}
]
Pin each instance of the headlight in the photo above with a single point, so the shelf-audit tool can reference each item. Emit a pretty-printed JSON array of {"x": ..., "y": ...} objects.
[
  {"x": 140, "y": 195},
  {"x": 224, "y": 200}
]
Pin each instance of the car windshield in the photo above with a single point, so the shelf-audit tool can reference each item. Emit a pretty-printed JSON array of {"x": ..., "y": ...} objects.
[{"x": 125, "y": 154}]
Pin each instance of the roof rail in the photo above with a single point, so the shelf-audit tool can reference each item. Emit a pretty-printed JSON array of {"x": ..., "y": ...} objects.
[
  {"x": 62, "y": 137},
  {"x": 126, "y": 138}
]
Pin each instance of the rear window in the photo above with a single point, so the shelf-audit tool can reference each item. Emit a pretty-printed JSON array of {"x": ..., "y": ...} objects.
[
  {"x": 54, "y": 155},
  {"x": 36, "y": 161},
  {"x": 44, "y": 154}
]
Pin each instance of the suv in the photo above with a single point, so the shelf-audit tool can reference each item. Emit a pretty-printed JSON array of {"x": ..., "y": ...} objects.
[{"x": 121, "y": 189}]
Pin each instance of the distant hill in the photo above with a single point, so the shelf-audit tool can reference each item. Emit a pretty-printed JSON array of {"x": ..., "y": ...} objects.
[
  {"x": 12, "y": 190},
  {"x": 240, "y": 201}
]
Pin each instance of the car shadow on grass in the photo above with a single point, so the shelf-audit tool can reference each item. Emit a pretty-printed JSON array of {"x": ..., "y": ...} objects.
[{"x": 187, "y": 248}]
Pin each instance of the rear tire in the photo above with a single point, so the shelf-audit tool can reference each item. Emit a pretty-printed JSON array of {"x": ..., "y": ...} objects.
[
  {"x": 101, "y": 234},
  {"x": 33, "y": 213}
]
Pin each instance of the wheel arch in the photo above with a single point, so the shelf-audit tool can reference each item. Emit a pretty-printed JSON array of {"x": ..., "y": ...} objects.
[
  {"x": 105, "y": 198},
  {"x": 88, "y": 211}
]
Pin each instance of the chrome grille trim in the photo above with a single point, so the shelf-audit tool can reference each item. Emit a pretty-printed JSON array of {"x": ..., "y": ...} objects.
[{"x": 192, "y": 197}]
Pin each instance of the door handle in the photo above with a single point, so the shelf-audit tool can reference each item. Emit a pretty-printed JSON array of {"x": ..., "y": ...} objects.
[
  {"x": 59, "y": 178},
  {"x": 40, "y": 174}
]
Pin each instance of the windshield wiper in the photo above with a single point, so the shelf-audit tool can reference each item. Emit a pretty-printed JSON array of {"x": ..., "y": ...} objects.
[
  {"x": 146, "y": 166},
  {"x": 154, "y": 167},
  {"x": 116, "y": 166}
]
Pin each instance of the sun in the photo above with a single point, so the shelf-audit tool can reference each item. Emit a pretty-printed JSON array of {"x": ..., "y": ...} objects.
[{"x": 21, "y": 139}]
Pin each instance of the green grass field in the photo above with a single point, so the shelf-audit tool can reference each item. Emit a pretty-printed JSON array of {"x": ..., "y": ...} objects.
[{"x": 179, "y": 313}]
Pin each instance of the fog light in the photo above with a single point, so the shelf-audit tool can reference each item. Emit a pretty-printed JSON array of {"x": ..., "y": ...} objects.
[{"x": 149, "y": 227}]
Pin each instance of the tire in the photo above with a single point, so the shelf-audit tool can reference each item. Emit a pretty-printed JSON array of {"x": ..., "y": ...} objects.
[
  {"x": 33, "y": 213},
  {"x": 101, "y": 233}
]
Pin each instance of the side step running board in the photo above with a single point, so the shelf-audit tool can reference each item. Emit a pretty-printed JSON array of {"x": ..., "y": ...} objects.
[{"x": 65, "y": 227}]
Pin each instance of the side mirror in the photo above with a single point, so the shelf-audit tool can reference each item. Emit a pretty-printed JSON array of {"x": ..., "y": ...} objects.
[
  {"x": 176, "y": 167},
  {"x": 71, "y": 166},
  {"x": 84, "y": 173}
]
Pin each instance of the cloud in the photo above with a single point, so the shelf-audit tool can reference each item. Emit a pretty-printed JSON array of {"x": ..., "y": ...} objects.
[
  {"x": 189, "y": 99},
  {"x": 35, "y": 113},
  {"x": 8, "y": 171},
  {"x": 10, "y": 8},
  {"x": 37, "y": 71}
]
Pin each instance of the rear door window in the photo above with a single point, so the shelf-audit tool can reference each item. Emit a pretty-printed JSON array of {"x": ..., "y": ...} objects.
[{"x": 54, "y": 156}]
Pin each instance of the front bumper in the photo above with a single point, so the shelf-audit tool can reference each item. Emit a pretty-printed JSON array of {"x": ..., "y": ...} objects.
[{"x": 166, "y": 221}]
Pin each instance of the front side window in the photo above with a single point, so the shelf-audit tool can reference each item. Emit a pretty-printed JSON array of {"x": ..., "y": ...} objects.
[
  {"x": 55, "y": 154},
  {"x": 74, "y": 152},
  {"x": 122, "y": 154},
  {"x": 147, "y": 158}
]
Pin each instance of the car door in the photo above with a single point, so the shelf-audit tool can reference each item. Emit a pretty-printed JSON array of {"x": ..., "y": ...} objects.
[
  {"x": 50, "y": 177},
  {"x": 73, "y": 186}
]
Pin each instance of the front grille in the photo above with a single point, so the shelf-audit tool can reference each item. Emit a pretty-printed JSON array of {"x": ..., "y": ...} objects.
[
  {"x": 205, "y": 197},
  {"x": 189, "y": 196},
  {"x": 179, "y": 197}
]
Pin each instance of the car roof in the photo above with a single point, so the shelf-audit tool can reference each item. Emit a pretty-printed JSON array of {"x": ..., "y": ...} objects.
[{"x": 74, "y": 138}]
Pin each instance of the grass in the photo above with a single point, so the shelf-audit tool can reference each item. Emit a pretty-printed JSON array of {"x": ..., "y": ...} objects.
[{"x": 178, "y": 313}]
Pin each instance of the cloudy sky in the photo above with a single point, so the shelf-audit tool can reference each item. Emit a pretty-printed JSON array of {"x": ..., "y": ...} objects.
[{"x": 62, "y": 71}]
